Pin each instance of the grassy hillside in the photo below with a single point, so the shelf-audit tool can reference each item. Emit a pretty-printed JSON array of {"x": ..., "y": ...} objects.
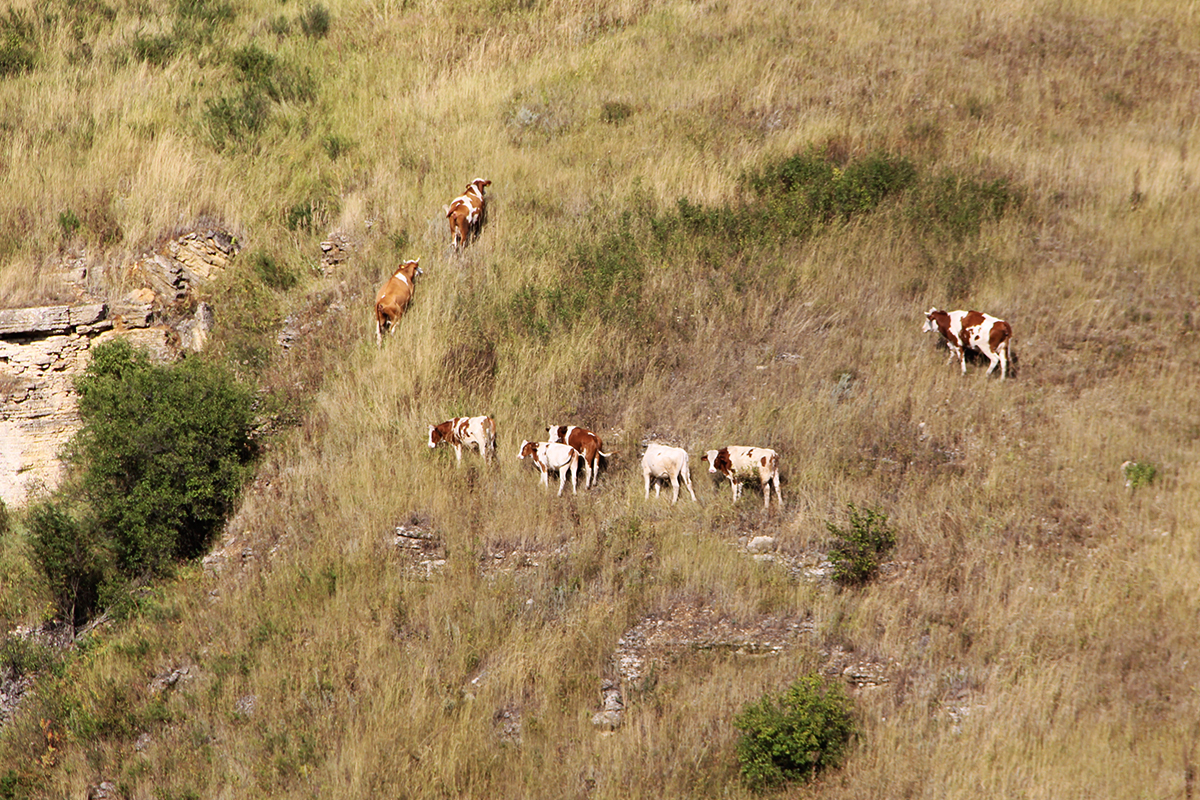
[{"x": 650, "y": 271}]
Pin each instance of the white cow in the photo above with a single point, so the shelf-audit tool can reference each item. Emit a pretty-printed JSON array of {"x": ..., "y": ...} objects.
[
  {"x": 553, "y": 455},
  {"x": 661, "y": 461},
  {"x": 736, "y": 462}
]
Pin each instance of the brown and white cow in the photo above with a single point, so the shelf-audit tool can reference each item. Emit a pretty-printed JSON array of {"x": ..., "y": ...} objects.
[
  {"x": 552, "y": 455},
  {"x": 587, "y": 443},
  {"x": 467, "y": 213},
  {"x": 465, "y": 432},
  {"x": 972, "y": 330},
  {"x": 394, "y": 297},
  {"x": 736, "y": 462},
  {"x": 664, "y": 462}
]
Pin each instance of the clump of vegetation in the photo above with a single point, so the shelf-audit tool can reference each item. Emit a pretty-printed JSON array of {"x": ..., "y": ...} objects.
[
  {"x": 163, "y": 452},
  {"x": 795, "y": 735},
  {"x": 615, "y": 112},
  {"x": 72, "y": 557},
  {"x": 315, "y": 21},
  {"x": 270, "y": 271},
  {"x": 18, "y": 52},
  {"x": 858, "y": 548},
  {"x": 1139, "y": 473}
]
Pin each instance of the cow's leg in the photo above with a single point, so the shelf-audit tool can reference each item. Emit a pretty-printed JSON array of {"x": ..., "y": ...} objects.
[
  {"x": 574, "y": 471},
  {"x": 646, "y": 475},
  {"x": 687, "y": 479},
  {"x": 993, "y": 362},
  {"x": 674, "y": 487},
  {"x": 778, "y": 494},
  {"x": 458, "y": 452},
  {"x": 562, "y": 478}
]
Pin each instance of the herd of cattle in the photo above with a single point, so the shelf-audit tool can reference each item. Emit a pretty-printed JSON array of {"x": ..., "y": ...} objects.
[{"x": 568, "y": 446}]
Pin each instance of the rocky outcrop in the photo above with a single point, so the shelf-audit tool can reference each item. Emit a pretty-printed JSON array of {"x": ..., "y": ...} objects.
[{"x": 43, "y": 349}]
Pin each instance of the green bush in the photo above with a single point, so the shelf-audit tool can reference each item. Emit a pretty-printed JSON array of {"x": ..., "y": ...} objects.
[
  {"x": 794, "y": 735},
  {"x": 70, "y": 556},
  {"x": 270, "y": 271},
  {"x": 18, "y": 43},
  {"x": 857, "y": 549},
  {"x": 163, "y": 453},
  {"x": 315, "y": 21},
  {"x": 1139, "y": 473}
]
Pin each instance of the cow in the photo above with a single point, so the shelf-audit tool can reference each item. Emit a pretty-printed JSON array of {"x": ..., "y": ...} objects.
[
  {"x": 553, "y": 455},
  {"x": 394, "y": 297},
  {"x": 735, "y": 462},
  {"x": 972, "y": 330},
  {"x": 465, "y": 431},
  {"x": 668, "y": 463},
  {"x": 587, "y": 443},
  {"x": 467, "y": 213}
]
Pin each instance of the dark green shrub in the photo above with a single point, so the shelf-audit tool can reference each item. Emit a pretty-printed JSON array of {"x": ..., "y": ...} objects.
[
  {"x": 1139, "y": 473},
  {"x": 955, "y": 207},
  {"x": 68, "y": 223},
  {"x": 19, "y": 656},
  {"x": 71, "y": 557},
  {"x": 232, "y": 118},
  {"x": 18, "y": 43},
  {"x": 794, "y": 735},
  {"x": 163, "y": 453},
  {"x": 614, "y": 112},
  {"x": 857, "y": 549},
  {"x": 154, "y": 49},
  {"x": 270, "y": 271},
  {"x": 315, "y": 21}
]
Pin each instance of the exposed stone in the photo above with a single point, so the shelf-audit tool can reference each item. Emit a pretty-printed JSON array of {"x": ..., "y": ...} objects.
[
  {"x": 104, "y": 790},
  {"x": 761, "y": 544},
  {"x": 334, "y": 251}
]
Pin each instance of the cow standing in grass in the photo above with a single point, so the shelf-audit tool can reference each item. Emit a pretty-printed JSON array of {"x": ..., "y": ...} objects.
[
  {"x": 972, "y": 330},
  {"x": 394, "y": 297},
  {"x": 662, "y": 462},
  {"x": 463, "y": 432},
  {"x": 587, "y": 443},
  {"x": 735, "y": 463},
  {"x": 467, "y": 213}
]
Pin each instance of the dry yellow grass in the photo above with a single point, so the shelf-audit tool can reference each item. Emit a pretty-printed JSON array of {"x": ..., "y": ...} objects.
[{"x": 1038, "y": 622}]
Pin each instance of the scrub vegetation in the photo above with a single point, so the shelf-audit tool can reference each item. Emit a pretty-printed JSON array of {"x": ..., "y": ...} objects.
[{"x": 710, "y": 223}]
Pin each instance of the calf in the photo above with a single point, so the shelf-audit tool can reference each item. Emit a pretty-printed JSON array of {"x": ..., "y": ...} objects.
[
  {"x": 460, "y": 431},
  {"x": 735, "y": 462},
  {"x": 467, "y": 213},
  {"x": 972, "y": 330},
  {"x": 587, "y": 443},
  {"x": 394, "y": 298},
  {"x": 552, "y": 455},
  {"x": 669, "y": 463}
]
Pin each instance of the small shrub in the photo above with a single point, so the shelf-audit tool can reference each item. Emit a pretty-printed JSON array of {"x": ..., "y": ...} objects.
[
  {"x": 157, "y": 50},
  {"x": 857, "y": 549},
  {"x": 794, "y": 735},
  {"x": 18, "y": 53},
  {"x": 232, "y": 118},
  {"x": 955, "y": 207},
  {"x": 336, "y": 146},
  {"x": 71, "y": 557},
  {"x": 68, "y": 223},
  {"x": 315, "y": 21},
  {"x": 614, "y": 112},
  {"x": 270, "y": 271},
  {"x": 1139, "y": 473}
]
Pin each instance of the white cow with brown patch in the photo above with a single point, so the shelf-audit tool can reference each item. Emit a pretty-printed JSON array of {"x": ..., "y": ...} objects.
[
  {"x": 587, "y": 443},
  {"x": 972, "y": 330},
  {"x": 663, "y": 462},
  {"x": 463, "y": 432},
  {"x": 737, "y": 463},
  {"x": 467, "y": 213},
  {"x": 392, "y": 300},
  {"x": 552, "y": 455}
]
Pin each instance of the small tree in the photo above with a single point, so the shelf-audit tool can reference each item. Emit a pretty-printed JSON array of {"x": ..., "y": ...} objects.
[
  {"x": 163, "y": 453},
  {"x": 794, "y": 735},
  {"x": 857, "y": 549},
  {"x": 70, "y": 558}
]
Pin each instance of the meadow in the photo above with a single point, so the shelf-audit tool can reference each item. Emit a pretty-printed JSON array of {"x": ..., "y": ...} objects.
[{"x": 710, "y": 223}]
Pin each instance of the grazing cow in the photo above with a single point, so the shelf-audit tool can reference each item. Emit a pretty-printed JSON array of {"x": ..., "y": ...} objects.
[
  {"x": 467, "y": 213},
  {"x": 972, "y": 330},
  {"x": 394, "y": 297},
  {"x": 553, "y": 455},
  {"x": 669, "y": 463},
  {"x": 735, "y": 462},
  {"x": 460, "y": 431},
  {"x": 587, "y": 443}
]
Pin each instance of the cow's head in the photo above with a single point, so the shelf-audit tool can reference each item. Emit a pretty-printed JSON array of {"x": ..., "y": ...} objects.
[
  {"x": 435, "y": 436},
  {"x": 931, "y": 319},
  {"x": 480, "y": 184},
  {"x": 410, "y": 269},
  {"x": 527, "y": 449},
  {"x": 718, "y": 460}
]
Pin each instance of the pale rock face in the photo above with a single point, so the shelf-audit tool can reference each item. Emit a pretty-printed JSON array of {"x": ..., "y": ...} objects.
[{"x": 43, "y": 349}]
